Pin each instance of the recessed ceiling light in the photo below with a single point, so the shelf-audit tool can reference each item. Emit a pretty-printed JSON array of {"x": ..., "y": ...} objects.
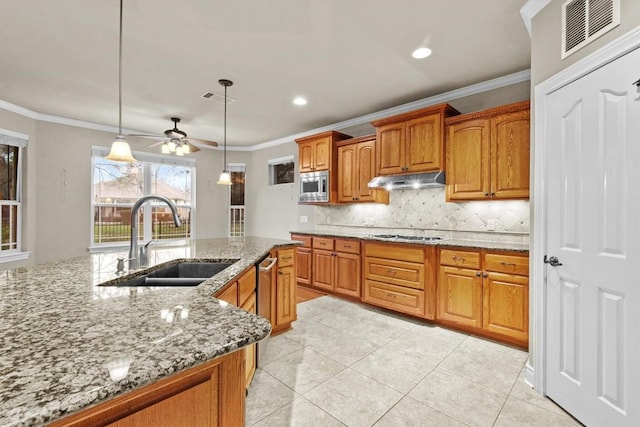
[
  {"x": 421, "y": 52},
  {"x": 300, "y": 100}
]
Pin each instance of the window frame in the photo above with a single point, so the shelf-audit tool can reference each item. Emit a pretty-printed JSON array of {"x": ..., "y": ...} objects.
[
  {"x": 147, "y": 159},
  {"x": 237, "y": 167},
  {"x": 21, "y": 141}
]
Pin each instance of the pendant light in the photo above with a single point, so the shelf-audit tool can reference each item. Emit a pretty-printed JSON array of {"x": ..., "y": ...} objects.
[
  {"x": 225, "y": 176},
  {"x": 120, "y": 150}
]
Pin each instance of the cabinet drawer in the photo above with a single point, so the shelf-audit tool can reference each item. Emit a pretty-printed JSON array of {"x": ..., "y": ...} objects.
[
  {"x": 396, "y": 298},
  {"x": 285, "y": 257},
  {"x": 306, "y": 240},
  {"x": 400, "y": 273},
  {"x": 460, "y": 258},
  {"x": 510, "y": 264},
  {"x": 323, "y": 243},
  {"x": 397, "y": 252},
  {"x": 348, "y": 246},
  {"x": 246, "y": 285}
]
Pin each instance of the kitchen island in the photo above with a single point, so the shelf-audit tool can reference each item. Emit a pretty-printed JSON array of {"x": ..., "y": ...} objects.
[{"x": 68, "y": 343}]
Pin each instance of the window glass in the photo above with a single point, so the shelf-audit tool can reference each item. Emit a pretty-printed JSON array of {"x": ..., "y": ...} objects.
[{"x": 10, "y": 204}]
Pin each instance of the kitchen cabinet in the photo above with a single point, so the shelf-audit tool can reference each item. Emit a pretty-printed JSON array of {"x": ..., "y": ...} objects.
[
  {"x": 356, "y": 167},
  {"x": 399, "y": 278},
  {"x": 207, "y": 395},
  {"x": 412, "y": 142},
  {"x": 242, "y": 293},
  {"x": 485, "y": 291},
  {"x": 283, "y": 295},
  {"x": 337, "y": 265},
  {"x": 488, "y": 154},
  {"x": 303, "y": 260},
  {"x": 316, "y": 152}
]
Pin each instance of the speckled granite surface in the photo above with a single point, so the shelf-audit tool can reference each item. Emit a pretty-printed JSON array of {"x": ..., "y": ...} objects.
[
  {"x": 63, "y": 337},
  {"x": 448, "y": 239}
]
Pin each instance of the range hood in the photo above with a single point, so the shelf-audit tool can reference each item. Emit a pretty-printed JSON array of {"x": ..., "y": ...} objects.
[{"x": 412, "y": 181}]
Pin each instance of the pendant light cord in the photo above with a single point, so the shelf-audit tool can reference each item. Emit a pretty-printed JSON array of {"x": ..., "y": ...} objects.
[
  {"x": 120, "y": 75},
  {"x": 225, "y": 127}
]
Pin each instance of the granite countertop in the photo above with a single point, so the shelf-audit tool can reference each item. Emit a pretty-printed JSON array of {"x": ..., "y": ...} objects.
[
  {"x": 64, "y": 337},
  {"x": 446, "y": 240}
]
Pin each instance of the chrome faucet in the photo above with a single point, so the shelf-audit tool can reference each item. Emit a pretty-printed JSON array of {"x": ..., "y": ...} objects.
[{"x": 134, "y": 260}]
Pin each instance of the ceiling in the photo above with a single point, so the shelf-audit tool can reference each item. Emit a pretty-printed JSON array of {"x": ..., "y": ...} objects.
[{"x": 347, "y": 57}]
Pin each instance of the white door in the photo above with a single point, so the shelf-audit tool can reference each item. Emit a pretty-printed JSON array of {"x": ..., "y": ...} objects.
[{"x": 593, "y": 228}]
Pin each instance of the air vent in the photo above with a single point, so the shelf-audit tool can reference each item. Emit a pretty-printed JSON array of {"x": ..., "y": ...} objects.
[
  {"x": 583, "y": 21},
  {"x": 216, "y": 97}
]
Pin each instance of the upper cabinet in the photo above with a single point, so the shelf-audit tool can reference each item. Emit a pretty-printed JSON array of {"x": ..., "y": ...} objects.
[
  {"x": 412, "y": 142},
  {"x": 356, "y": 167},
  {"x": 488, "y": 154},
  {"x": 316, "y": 152}
]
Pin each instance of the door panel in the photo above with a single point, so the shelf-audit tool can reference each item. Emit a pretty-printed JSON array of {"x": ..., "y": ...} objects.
[
  {"x": 347, "y": 274},
  {"x": 468, "y": 160},
  {"x": 460, "y": 296},
  {"x": 323, "y": 269},
  {"x": 593, "y": 319},
  {"x": 424, "y": 143},
  {"x": 390, "y": 149},
  {"x": 511, "y": 158}
]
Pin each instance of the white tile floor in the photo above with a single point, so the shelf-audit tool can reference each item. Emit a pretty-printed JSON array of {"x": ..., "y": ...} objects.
[{"x": 346, "y": 364}]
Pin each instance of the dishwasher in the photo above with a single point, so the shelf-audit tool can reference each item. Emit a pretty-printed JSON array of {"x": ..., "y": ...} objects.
[{"x": 264, "y": 267}]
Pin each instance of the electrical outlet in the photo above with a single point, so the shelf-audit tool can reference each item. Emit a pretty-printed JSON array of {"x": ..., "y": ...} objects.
[
  {"x": 491, "y": 224},
  {"x": 304, "y": 219}
]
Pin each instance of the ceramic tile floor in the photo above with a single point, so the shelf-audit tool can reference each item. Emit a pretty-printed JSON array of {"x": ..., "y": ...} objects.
[{"x": 346, "y": 364}]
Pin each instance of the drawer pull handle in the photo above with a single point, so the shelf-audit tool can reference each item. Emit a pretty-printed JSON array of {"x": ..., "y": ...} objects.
[
  {"x": 458, "y": 258},
  {"x": 390, "y": 271},
  {"x": 513, "y": 264},
  {"x": 347, "y": 246},
  {"x": 391, "y": 295}
]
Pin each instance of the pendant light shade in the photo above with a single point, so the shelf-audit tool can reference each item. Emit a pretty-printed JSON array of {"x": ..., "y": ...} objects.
[
  {"x": 225, "y": 176},
  {"x": 120, "y": 150}
]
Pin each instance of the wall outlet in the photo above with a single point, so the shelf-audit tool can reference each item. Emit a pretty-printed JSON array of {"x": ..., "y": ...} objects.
[
  {"x": 304, "y": 219},
  {"x": 368, "y": 220},
  {"x": 491, "y": 224}
]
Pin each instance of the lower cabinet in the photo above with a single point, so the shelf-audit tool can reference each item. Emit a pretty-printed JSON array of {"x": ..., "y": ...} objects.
[
  {"x": 336, "y": 265},
  {"x": 207, "y": 395},
  {"x": 395, "y": 277},
  {"x": 303, "y": 259},
  {"x": 485, "y": 291},
  {"x": 283, "y": 294}
]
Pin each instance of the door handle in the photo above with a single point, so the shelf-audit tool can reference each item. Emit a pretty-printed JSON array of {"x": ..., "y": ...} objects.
[
  {"x": 268, "y": 267},
  {"x": 552, "y": 260}
]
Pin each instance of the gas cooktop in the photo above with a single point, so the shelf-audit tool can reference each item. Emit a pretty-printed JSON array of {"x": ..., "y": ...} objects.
[{"x": 411, "y": 238}]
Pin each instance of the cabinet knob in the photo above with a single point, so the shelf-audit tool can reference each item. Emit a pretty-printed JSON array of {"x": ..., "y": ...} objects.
[
  {"x": 486, "y": 194},
  {"x": 485, "y": 275},
  {"x": 478, "y": 274},
  {"x": 493, "y": 194}
]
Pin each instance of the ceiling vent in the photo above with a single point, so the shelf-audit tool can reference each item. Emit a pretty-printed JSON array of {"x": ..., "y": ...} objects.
[
  {"x": 583, "y": 21},
  {"x": 215, "y": 97}
]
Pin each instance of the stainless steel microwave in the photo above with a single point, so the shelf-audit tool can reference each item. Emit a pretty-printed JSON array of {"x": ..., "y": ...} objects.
[{"x": 314, "y": 186}]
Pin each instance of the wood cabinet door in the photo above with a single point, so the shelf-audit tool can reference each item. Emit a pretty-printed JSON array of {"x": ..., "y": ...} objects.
[
  {"x": 460, "y": 296},
  {"x": 305, "y": 156},
  {"x": 390, "y": 149},
  {"x": 347, "y": 170},
  {"x": 347, "y": 274},
  {"x": 303, "y": 266},
  {"x": 250, "y": 351},
  {"x": 468, "y": 161},
  {"x": 365, "y": 171},
  {"x": 285, "y": 295},
  {"x": 424, "y": 144},
  {"x": 510, "y": 150},
  {"x": 229, "y": 295},
  {"x": 506, "y": 305},
  {"x": 323, "y": 269},
  {"x": 322, "y": 154}
]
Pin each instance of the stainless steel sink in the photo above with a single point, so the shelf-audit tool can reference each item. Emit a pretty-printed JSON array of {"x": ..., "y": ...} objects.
[{"x": 178, "y": 274}]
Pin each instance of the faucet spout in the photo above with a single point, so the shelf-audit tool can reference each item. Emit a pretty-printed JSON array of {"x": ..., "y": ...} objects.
[{"x": 134, "y": 261}]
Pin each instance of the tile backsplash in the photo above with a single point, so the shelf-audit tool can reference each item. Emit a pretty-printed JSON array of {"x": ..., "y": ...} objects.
[{"x": 426, "y": 209}]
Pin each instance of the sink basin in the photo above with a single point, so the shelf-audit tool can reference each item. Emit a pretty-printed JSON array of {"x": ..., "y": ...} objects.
[{"x": 179, "y": 274}]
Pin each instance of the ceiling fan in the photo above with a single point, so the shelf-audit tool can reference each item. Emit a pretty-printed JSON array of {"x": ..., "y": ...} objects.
[{"x": 175, "y": 141}]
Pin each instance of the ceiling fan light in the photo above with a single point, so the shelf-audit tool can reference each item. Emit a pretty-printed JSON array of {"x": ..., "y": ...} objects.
[
  {"x": 179, "y": 151},
  {"x": 186, "y": 149},
  {"x": 120, "y": 151},
  {"x": 172, "y": 146},
  {"x": 165, "y": 148},
  {"x": 225, "y": 178}
]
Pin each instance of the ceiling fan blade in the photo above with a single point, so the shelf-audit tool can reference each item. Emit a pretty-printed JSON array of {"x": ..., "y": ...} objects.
[
  {"x": 193, "y": 148},
  {"x": 155, "y": 144},
  {"x": 203, "y": 142}
]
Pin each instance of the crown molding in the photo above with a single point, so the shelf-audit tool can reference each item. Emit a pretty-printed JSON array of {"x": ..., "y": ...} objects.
[
  {"x": 510, "y": 79},
  {"x": 531, "y": 9}
]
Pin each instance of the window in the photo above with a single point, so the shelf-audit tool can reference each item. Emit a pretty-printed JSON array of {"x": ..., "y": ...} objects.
[
  {"x": 281, "y": 170},
  {"x": 11, "y": 148},
  {"x": 117, "y": 186},
  {"x": 236, "y": 200}
]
